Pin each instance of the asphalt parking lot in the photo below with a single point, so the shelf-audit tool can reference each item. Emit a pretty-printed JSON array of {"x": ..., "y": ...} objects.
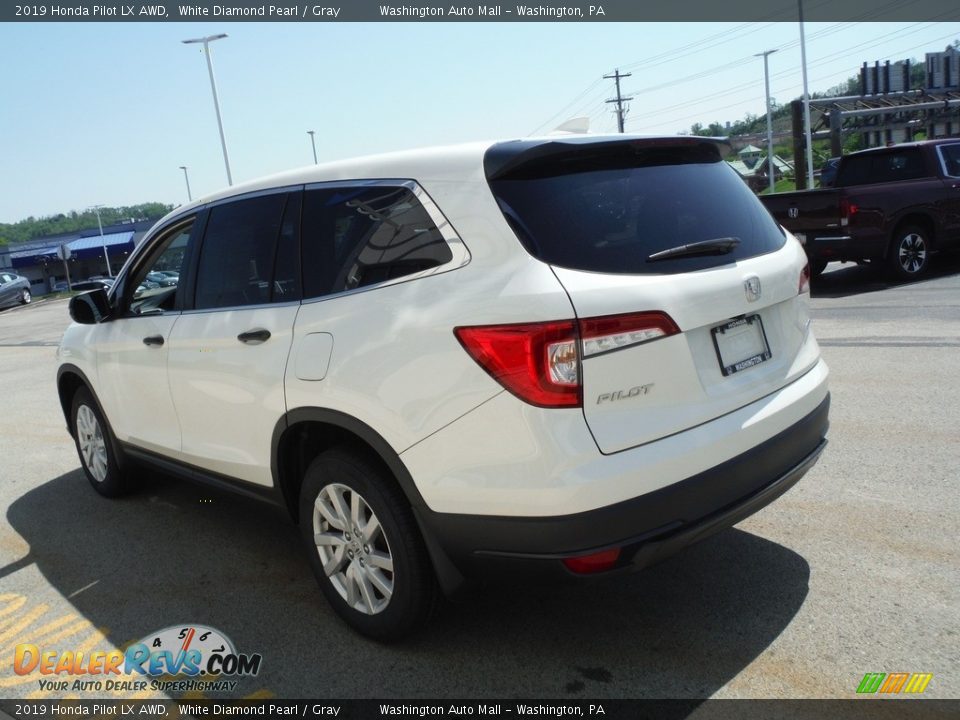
[{"x": 855, "y": 570}]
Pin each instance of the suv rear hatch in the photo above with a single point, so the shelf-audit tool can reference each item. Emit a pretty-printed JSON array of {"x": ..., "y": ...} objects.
[{"x": 687, "y": 293}]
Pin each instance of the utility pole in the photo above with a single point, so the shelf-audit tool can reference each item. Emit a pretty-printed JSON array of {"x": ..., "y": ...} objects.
[
  {"x": 806, "y": 101},
  {"x": 187, "y": 179},
  {"x": 619, "y": 99},
  {"x": 766, "y": 83},
  {"x": 313, "y": 144}
]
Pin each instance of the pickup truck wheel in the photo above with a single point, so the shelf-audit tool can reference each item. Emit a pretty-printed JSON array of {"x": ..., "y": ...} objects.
[
  {"x": 364, "y": 546},
  {"x": 910, "y": 253}
]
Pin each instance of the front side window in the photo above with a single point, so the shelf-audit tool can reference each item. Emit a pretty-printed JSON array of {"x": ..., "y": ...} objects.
[
  {"x": 354, "y": 237},
  {"x": 154, "y": 285},
  {"x": 238, "y": 252}
]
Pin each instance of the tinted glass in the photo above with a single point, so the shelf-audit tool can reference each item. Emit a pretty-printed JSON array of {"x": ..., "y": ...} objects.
[
  {"x": 882, "y": 167},
  {"x": 951, "y": 159},
  {"x": 354, "y": 237},
  {"x": 155, "y": 285},
  {"x": 608, "y": 209},
  {"x": 237, "y": 254}
]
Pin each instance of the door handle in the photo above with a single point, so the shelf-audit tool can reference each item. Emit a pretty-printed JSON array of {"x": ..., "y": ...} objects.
[
  {"x": 254, "y": 337},
  {"x": 153, "y": 341}
]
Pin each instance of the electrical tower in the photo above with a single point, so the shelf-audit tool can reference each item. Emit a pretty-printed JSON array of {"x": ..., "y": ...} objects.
[{"x": 619, "y": 99}]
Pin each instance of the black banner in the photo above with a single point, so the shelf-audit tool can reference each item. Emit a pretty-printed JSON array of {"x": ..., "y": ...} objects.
[
  {"x": 854, "y": 709},
  {"x": 472, "y": 11}
]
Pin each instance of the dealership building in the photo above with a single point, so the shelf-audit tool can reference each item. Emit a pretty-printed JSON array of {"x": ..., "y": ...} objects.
[{"x": 39, "y": 260}]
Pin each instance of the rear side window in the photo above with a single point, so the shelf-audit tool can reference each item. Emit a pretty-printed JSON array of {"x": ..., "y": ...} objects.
[
  {"x": 872, "y": 168},
  {"x": 610, "y": 208},
  {"x": 951, "y": 159},
  {"x": 354, "y": 237},
  {"x": 238, "y": 252}
]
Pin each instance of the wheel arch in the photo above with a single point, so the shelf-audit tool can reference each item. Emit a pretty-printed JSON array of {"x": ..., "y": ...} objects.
[
  {"x": 70, "y": 378},
  {"x": 303, "y": 433}
]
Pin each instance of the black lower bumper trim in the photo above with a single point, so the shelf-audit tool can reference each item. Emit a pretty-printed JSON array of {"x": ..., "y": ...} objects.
[{"x": 648, "y": 527}]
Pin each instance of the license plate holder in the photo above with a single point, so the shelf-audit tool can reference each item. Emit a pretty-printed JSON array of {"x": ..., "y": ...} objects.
[{"x": 740, "y": 343}]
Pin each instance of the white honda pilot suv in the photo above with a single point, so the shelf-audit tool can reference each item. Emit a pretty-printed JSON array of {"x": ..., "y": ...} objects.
[{"x": 562, "y": 356}]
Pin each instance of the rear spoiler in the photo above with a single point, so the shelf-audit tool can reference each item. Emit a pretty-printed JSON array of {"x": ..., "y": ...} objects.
[{"x": 505, "y": 158}]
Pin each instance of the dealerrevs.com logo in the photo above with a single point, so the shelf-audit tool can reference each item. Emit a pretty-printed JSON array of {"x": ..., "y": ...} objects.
[{"x": 179, "y": 658}]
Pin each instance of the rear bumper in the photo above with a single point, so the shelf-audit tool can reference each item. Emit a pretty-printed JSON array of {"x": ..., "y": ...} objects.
[{"x": 646, "y": 528}]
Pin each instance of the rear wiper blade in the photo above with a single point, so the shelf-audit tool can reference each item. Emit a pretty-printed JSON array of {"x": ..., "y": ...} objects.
[{"x": 717, "y": 246}]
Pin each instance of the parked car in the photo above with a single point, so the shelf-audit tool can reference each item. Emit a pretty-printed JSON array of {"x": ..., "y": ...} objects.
[
  {"x": 892, "y": 205},
  {"x": 14, "y": 289},
  {"x": 559, "y": 357},
  {"x": 162, "y": 279}
]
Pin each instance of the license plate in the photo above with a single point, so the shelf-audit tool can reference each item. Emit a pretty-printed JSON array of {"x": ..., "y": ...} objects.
[{"x": 740, "y": 344}]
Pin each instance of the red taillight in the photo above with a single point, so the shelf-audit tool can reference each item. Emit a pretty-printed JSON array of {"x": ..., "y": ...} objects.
[
  {"x": 804, "y": 280},
  {"x": 597, "y": 562},
  {"x": 540, "y": 362},
  {"x": 533, "y": 361},
  {"x": 847, "y": 210}
]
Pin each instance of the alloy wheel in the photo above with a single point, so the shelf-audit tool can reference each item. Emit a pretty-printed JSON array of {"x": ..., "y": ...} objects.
[
  {"x": 353, "y": 548},
  {"x": 912, "y": 253},
  {"x": 93, "y": 447}
]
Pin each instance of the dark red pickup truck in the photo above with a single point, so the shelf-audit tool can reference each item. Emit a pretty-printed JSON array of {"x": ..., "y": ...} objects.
[{"x": 892, "y": 205}]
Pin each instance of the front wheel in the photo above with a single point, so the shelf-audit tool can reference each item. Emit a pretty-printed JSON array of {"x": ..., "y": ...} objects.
[
  {"x": 95, "y": 447},
  {"x": 910, "y": 253},
  {"x": 364, "y": 546},
  {"x": 25, "y": 297}
]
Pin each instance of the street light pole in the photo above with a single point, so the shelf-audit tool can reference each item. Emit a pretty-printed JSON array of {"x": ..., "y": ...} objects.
[
  {"x": 766, "y": 83},
  {"x": 806, "y": 101},
  {"x": 313, "y": 144},
  {"x": 106, "y": 257},
  {"x": 187, "y": 179},
  {"x": 216, "y": 99}
]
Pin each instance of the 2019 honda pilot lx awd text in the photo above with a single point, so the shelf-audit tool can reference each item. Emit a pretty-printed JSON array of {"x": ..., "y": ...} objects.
[{"x": 567, "y": 355}]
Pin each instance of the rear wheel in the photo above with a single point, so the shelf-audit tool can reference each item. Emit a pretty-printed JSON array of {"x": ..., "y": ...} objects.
[
  {"x": 910, "y": 253},
  {"x": 25, "y": 297},
  {"x": 364, "y": 546},
  {"x": 95, "y": 447}
]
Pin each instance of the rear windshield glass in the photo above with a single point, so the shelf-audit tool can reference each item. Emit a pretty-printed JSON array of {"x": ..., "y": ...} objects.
[{"x": 608, "y": 209}]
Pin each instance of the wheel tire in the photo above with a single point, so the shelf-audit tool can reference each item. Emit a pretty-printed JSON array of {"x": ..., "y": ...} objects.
[
  {"x": 382, "y": 583},
  {"x": 909, "y": 253},
  {"x": 96, "y": 447},
  {"x": 817, "y": 267},
  {"x": 25, "y": 297}
]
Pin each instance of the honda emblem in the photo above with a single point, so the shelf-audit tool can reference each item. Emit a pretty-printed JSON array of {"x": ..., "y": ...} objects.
[
  {"x": 751, "y": 286},
  {"x": 793, "y": 213}
]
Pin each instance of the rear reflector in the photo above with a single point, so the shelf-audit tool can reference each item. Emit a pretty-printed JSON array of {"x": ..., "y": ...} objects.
[
  {"x": 540, "y": 362},
  {"x": 597, "y": 562}
]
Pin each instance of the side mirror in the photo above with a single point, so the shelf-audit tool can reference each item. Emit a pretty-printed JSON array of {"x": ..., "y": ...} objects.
[{"x": 90, "y": 308}]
